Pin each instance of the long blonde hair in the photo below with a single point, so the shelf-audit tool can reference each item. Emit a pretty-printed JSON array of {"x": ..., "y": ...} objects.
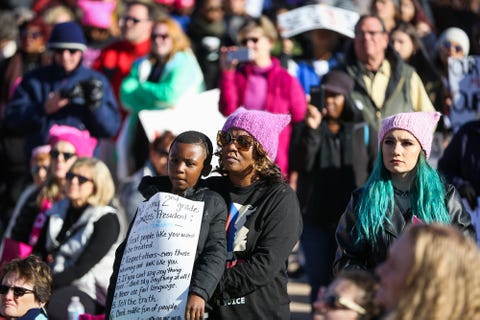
[{"x": 444, "y": 282}]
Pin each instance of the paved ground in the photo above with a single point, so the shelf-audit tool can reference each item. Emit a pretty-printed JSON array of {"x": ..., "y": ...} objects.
[{"x": 300, "y": 306}]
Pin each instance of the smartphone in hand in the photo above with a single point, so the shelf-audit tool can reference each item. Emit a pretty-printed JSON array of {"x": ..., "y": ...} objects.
[
  {"x": 242, "y": 54},
  {"x": 317, "y": 97}
]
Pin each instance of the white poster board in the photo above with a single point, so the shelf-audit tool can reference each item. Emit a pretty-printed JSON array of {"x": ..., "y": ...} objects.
[
  {"x": 317, "y": 16},
  {"x": 157, "y": 263},
  {"x": 464, "y": 81}
]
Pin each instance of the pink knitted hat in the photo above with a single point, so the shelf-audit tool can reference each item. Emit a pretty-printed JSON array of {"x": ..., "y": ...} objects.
[
  {"x": 420, "y": 124},
  {"x": 82, "y": 141},
  {"x": 97, "y": 13},
  {"x": 264, "y": 126}
]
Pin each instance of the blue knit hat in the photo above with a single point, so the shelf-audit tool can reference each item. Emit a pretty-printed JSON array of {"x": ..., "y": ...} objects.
[{"x": 67, "y": 35}]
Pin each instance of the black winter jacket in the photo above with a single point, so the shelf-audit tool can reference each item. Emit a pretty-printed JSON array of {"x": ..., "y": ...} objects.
[
  {"x": 362, "y": 255},
  {"x": 211, "y": 249}
]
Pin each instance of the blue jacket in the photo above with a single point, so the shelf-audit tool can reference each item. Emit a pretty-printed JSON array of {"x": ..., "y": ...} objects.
[{"x": 25, "y": 113}]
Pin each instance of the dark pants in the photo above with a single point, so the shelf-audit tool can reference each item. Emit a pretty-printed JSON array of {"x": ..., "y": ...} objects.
[{"x": 60, "y": 299}]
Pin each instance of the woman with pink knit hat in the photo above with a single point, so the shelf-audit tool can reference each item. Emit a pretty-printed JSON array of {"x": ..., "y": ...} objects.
[
  {"x": 66, "y": 144},
  {"x": 263, "y": 223},
  {"x": 402, "y": 189}
]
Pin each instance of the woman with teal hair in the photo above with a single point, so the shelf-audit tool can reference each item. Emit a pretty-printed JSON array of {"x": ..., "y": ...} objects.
[{"x": 402, "y": 189}]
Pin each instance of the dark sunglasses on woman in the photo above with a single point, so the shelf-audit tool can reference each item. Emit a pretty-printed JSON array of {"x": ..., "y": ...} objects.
[
  {"x": 17, "y": 291},
  {"x": 242, "y": 142}
]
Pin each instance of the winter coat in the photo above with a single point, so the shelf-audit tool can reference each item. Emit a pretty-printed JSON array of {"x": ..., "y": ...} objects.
[
  {"x": 210, "y": 254},
  {"x": 285, "y": 95},
  {"x": 353, "y": 254}
]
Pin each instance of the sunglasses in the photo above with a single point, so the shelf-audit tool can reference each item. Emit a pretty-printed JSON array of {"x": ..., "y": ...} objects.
[
  {"x": 242, "y": 142},
  {"x": 62, "y": 50},
  {"x": 133, "y": 19},
  {"x": 32, "y": 34},
  {"x": 448, "y": 45},
  {"x": 36, "y": 169},
  {"x": 81, "y": 179},
  {"x": 66, "y": 155},
  {"x": 214, "y": 9},
  {"x": 17, "y": 291},
  {"x": 246, "y": 40},
  {"x": 155, "y": 36},
  {"x": 336, "y": 302}
]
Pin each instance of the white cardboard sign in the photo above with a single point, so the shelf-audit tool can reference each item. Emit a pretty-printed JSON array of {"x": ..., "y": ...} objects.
[
  {"x": 317, "y": 16},
  {"x": 464, "y": 80},
  {"x": 157, "y": 264}
]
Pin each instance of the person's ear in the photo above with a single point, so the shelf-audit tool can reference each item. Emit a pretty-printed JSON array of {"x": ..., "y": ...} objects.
[{"x": 206, "y": 170}]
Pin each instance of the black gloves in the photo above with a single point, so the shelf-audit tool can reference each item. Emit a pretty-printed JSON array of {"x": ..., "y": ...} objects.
[
  {"x": 93, "y": 92},
  {"x": 469, "y": 193}
]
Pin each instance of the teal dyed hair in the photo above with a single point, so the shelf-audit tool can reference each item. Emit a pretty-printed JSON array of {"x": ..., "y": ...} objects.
[{"x": 377, "y": 199}]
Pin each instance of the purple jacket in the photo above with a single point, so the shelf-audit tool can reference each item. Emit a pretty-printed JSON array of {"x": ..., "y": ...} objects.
[{"x": 285, "y": 95}]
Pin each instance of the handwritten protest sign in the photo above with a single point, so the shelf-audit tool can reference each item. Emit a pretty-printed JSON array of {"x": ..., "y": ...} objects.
[
  {"x": 317, "y": 16},
  {"x": 157, "y": 264},
  {"x": 464, "y": 80}
]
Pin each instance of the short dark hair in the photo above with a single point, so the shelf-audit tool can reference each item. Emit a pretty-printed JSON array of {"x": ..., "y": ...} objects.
[
  {"x": 367, "y": 16},
  {"x": 32, "y": 269},
  {"x": 196, "y": 137}
]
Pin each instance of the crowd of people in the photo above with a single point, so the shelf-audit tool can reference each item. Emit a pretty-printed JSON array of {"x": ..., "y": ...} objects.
[{"x": 336, "y": 143}]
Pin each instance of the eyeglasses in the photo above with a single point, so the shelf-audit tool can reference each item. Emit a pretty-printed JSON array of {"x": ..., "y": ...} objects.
[
  {"x": 362, "y": 33},
  {"x": 242, "y": 142},
  {"x": 213, "y": 9},
  {"x": 62, "y": 50},
  {"x": 81, "y": 179},
  {"x": 246, "y": 40},
  {"x": 334, "y": 301},
  {"x": 32, "y": 34},
  {"x": 133, "y": 19},
  {"x": 448, "y": 45},
  {"x": 163, "y": 36},
  {"x": 36, "y": 169},
  {"x": 17, "y": 291},
  {"x": 66, "y": 155}
]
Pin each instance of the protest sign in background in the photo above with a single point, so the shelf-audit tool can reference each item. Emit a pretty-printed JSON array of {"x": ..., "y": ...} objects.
[
  {"x": 156, "y": 267},
  {"x": 317, "y": 16},
  {"x": 464, "y": 81}
]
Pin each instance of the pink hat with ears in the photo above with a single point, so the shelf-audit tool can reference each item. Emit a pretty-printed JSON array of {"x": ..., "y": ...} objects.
[
  {"x": 420, "y": 124},
  {"x": 264, "y": 126},
  {"x": 97, "y": 13},
  {"x": 82, "y": 141}
]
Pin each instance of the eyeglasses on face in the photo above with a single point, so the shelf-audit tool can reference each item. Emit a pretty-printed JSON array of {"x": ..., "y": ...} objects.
[
  {"x": 448, "y": 45},
  {"x": 62, "y": 50},
  {"x": 81, "y": 179},
  {"x": 371, "y": 33},
  {"x": 17, "y": 291},
  {"x": 214, "y": 9},
  {"x": 133, "y": 19},
  {"x": 245, "y": 41},
  {"x": 36, "y": 169},
  {"x": 161, "y": 152},
  {"x": 336, "y": 302},
  {"x": 242, "y": 142},
  {"x": 66, "y": 155},
  {"x": 32, "y": 34},
  {"x": 162, "y": 36}
]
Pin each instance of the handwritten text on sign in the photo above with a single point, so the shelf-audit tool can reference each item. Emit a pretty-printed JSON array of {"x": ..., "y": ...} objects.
[
  {"x": 464, "y": 80},
  {"x": 157, "y": 264},
  {"x": 317, "y": 16}
]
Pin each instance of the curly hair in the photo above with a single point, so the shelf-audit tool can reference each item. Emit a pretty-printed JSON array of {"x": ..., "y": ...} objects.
[
  {"x": 444, "y": 282},
  {"x": 263, "y": 167},
  {"x": 32, "y": 269}
]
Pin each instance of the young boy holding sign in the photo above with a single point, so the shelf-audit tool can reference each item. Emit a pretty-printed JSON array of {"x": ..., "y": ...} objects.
[{"x": 189, "y": 158}]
